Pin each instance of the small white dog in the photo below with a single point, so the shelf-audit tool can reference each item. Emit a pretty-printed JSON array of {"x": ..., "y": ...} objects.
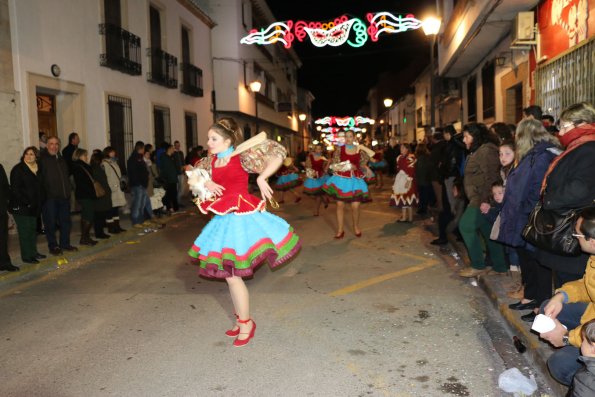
[{"x": 197, "y": 177}]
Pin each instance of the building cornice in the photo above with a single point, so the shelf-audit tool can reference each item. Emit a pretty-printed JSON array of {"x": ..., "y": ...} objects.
[{"x": 197, "y": 12}]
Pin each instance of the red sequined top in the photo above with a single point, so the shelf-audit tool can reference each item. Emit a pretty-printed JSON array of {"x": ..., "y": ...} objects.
[
  {"x": 354, "y": 159},
  {"x": 316, "y": 164},
  {"x": 235, "y": 197}
]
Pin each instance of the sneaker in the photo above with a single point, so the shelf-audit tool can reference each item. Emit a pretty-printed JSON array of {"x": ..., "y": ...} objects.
[
  {"x": 515, "y": 268},
  {"x": 471, "y": 272}
]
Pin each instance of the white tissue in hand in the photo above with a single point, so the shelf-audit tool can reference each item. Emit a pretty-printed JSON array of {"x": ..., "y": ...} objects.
[
  {"x": 197, "y": 177},
  {"x": 543, "y": 323}
]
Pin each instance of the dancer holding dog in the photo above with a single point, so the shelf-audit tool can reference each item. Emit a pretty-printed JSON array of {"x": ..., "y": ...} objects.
[{"x": 241, "y": 235}]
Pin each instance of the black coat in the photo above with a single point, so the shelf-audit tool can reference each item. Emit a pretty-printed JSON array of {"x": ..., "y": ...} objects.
[
  {"x": 102, "y": 203},
  {"x": 4, "y": 191},
  {"x": 138, "y": 173},
  {"x": 67, "y": 153},
  {"x": 83, "y": 181},
  {"x": 439, "y": 161},
  {"x": 26, "y": 197},
  {"x": 571, "y": 184},
  {"x": 53, "y": 174}
]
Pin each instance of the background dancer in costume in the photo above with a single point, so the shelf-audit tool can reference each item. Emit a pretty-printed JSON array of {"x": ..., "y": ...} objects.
[
  {"x": 287, "y": 180},
  {"x": 378, "y": 165},
  {"x": 316, "y": 176},
  {"x": 405, "y": 187},
  {"x": 347, "y": 184},
  {"x": 242, "y": 235}
]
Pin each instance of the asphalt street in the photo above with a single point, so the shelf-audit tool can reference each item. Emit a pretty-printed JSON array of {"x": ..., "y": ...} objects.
[{"x": 381, "y": 315}]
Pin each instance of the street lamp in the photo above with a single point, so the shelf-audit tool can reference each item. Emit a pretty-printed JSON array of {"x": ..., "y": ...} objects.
[
  {"x": 255, "y": 87},
  {"x": 302, "y": 117},
  {"x": 388, "y": 102},
  {"x": 431, "y": 27}
]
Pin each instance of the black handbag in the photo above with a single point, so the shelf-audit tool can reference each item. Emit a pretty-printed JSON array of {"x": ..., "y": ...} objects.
[{"x": 552, "y": 231}]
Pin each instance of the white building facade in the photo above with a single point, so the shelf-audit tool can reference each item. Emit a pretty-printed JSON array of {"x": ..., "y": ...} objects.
[
  {"x": 274, "y": 108},
  {"x": 114, "y": 71}
]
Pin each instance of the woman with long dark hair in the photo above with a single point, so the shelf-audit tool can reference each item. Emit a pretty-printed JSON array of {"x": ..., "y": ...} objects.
[
  {"x": 25, "y": 203},
  {"x": 481, "y": 171}
]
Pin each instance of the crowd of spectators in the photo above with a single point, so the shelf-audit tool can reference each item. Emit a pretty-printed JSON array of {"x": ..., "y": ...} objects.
[
  {"x": 47, "y": 186},
  {"x": 486, "y": 182}
]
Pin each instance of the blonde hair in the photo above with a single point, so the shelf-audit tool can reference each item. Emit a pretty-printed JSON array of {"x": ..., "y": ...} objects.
[
  {"x": 529, "y": 133},
  {"x": 228, "y": 129},
  {"x": 78, "y": 153},
  {"x": 579, "y": 113}
]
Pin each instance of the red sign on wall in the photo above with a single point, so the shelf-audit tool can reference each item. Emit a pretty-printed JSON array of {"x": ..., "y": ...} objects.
[{"x": 564, "y": 24}]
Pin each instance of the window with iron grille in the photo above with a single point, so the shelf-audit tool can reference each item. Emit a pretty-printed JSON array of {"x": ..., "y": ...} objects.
[
  {"x": 472, "y": 99},
  {"x": 161, "y": 125},
  {"x": 488, "y": 88},
  {"x": 122, "y": 48},
  {"x": 567, "y": 80},
  {"x": 190, "y": 122},
  {"x": 191, "y": 75},
  {"x": 164, "y": 66},
  {"x": 119, "y": 111}
]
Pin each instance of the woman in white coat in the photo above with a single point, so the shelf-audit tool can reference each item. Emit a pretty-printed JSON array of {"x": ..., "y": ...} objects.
[{"x": 114, "y": 179}]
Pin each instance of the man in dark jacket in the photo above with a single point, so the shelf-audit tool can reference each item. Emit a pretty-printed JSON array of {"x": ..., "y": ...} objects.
[
  {"x": 439, "y": 161},
  {"x": 68, "y": 151},
  {"x": 178, "y": 158},
  {"x": 5, "y": 263},
  {"x": 55, "y": 182},
  {"x": 138, "y": 180}
]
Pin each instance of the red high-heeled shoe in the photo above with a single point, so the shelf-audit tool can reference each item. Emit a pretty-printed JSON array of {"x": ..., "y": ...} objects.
[
  {"x": 340, "y": 235},
  {"x": 244, "y": 342},
  {"x": 358, "y": 234},
  {"x": 231, "y": 332},
  {"x": 297, "y": 200}
]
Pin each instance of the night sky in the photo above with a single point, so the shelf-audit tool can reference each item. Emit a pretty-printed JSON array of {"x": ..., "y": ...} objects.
[{"x": 340, "y": 77}]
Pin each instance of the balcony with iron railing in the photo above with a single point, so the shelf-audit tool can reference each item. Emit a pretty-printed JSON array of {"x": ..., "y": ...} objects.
[
  {"x": 164, "y": 68},
  {"x": 122, "y": 50},
  {"x": 191, "y": 80}
]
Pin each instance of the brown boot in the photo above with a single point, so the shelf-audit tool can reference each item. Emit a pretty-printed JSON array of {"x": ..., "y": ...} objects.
[{"x": 85, "y": 234}]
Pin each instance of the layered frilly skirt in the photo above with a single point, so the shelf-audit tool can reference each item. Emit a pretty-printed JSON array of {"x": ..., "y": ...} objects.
[
  {"x": 313, "y": 186},
  {"x": 235, "y": 245},
  {"x": 378, "y": 165},
  {"x": 345, "y": 188},
  {"x": 287, "y": 182}
]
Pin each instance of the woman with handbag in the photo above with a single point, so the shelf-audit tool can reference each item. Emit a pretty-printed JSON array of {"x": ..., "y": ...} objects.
[
  {"x": 25, "y": 203},
  {"x": 481, "y": 171},
  {"x": 347, "y": 184},
  {"x": 117, "y": 186},
  {"x": 535, "y": 150},
  {"x": 405, "y": 194},
  {"x": 102, "y": 205},
  {"x": 86, "y": 193},
  {"x": 569, "y": 185}
]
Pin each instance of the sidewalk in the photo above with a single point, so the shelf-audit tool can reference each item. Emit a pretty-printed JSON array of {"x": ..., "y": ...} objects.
[
  {"x": 495, "y": 287},
  {"x": 55, "y": 262}
]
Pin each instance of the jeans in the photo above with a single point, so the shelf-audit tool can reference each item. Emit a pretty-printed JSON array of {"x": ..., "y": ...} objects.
[
  {"x": 473, "y": 224},
  {"x": 56, "y": 212},
  {"x": 170, "y": 200},
  {"x": 139, "y": 202},
  {"x": 563, "y": 362},
  {"x": 26, "y": 226}
]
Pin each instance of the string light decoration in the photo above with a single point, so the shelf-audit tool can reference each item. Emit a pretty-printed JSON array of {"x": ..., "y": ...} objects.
[
  {"x": 344, "y": 121},
  {"x": 333, "y": 33},
  {"x": 385, "y": 22}
]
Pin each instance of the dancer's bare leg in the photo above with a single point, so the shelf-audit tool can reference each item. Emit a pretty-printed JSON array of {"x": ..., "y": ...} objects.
[
  {"x": 241, "y": 303},
  {"x": 355, "y": 216},
  {"x": 340, "y": 216}
]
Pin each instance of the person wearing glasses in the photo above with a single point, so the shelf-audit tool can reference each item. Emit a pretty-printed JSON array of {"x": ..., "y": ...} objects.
[
  {"x": 569, "y": 183},
  {"x": 571, "y": 307}
]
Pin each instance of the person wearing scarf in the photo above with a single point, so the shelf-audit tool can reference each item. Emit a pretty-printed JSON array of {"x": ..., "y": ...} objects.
[
  {"x": 25, "y": 203},
  {"x": 569, "y": 184}
]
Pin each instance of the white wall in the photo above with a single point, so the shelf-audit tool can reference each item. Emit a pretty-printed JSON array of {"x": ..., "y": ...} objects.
[{"x": 65, "y": 32}]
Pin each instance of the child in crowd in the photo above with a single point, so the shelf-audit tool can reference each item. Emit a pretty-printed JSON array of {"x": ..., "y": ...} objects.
[{"x": 583, "y": 383}]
